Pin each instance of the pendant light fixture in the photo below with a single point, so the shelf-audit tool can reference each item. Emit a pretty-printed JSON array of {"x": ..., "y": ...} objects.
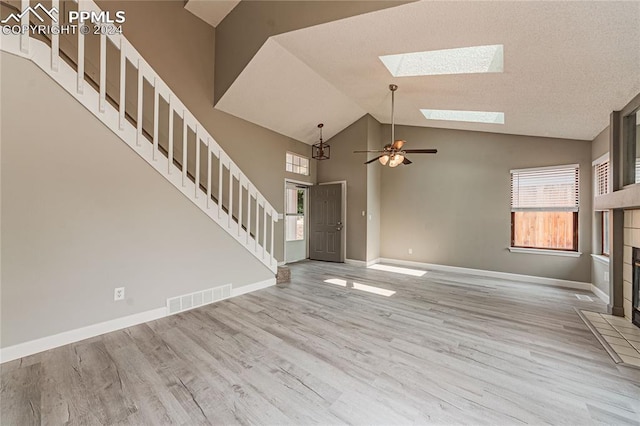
[{"x": 320, "y": 150}]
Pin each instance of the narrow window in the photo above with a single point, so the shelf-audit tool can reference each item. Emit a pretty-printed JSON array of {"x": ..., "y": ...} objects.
[{"x": 295, "y": 205}]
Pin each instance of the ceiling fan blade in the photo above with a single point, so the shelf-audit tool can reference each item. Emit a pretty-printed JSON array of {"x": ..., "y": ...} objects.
[
  {"x": 421, "y": 151},
  {"x": 360, "y": 152},
  {"x": 375, "y": 159},
  {"x": 398, "y": 144},
  {"x": 406, "y": 161}
]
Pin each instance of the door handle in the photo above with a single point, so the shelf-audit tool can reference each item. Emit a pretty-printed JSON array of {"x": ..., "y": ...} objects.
[{"x": 339, "y": 228}]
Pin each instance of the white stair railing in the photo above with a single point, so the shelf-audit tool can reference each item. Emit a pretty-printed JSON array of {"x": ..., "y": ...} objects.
[{"x": 253, "y": 226}]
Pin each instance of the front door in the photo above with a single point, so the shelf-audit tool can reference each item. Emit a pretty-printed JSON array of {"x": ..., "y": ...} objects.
[{"x": 325, "y": 222}]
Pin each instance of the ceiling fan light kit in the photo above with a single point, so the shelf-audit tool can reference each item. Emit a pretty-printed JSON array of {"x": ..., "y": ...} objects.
[
  {"x": 392, "y": 154},
  {"x": 320, "y": 150}
]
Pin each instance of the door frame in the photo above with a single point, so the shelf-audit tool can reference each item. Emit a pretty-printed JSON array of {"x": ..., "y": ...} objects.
[
  {"x": 343, "y": 235},
  {"x": 306, "y": 217}
]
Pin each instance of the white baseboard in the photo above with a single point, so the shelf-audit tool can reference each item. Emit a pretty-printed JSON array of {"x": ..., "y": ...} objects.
[
  {"x": 253, "y": 287},
  {"x": 601, "y": 294},
  {"x": 32, "y": 347},
  {"x": 45, "y": 343},
  {"x": 578, "y": 285}
]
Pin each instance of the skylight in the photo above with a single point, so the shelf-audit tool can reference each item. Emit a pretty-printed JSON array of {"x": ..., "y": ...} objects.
[
  {"x": 465, "y": 60},
  {"x": 470, "y": 116}
]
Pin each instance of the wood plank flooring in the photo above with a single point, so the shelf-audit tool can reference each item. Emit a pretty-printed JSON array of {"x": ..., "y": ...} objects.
[{"x": 444, "y": 349}]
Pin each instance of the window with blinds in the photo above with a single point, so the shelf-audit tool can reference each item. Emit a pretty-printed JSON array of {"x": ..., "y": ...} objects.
[
  {"x": 544, "y": 207},
  {"x": 602, "y": 178}
]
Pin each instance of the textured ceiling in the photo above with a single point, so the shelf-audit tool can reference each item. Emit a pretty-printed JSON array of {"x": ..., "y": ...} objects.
[
  {"x": 211, "y": 11},
  {"x": 567, "y": 65}
]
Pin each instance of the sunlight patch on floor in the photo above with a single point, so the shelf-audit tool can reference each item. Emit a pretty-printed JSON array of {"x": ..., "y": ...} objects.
[
  {"x": 336, "y": 281},
  {"x": 361, "y": 287},
  {"x": 398, "y": 270},
  {"x": 374, "y": 290}
]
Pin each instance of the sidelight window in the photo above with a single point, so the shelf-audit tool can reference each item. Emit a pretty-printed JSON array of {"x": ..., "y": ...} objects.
[{"x": 294, "y": 216}]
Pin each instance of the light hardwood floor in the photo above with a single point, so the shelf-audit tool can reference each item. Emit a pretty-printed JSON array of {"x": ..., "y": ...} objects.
[{"x": 445, "y": 349}]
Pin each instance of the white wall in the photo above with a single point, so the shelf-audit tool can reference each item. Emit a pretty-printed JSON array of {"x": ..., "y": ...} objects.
[{"x": 82, "y": 214}]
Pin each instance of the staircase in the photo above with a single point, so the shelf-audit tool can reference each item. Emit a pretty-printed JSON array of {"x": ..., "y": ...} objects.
[{"x": 185, "y": 154}]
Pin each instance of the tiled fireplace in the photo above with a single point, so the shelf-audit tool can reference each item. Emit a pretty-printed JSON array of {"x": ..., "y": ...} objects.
[
  {"x": 635, "y": 289},
  {"x": 631, "y": 267}
]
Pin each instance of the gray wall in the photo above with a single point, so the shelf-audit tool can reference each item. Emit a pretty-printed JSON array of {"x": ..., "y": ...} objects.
[
  {"x": 599, "y": 147},
  {"x": 600, "y": 144},
  {"x": 83, "y": 214},
  {"x": 374, "y": 173},
  {"x": 181, "y": 49},
  {"x": 453, "y": 208},
  {"x": 345, "y": 165}
]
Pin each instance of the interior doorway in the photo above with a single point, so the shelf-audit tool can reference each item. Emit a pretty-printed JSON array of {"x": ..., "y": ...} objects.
[{"x": 296, "y": 221}]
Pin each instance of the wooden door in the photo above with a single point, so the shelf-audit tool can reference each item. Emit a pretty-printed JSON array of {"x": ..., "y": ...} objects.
[{"x": 325, "y": 222}]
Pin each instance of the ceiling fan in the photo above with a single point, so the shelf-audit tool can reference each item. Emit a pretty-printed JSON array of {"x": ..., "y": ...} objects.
[{"x": 392, "y": 153}]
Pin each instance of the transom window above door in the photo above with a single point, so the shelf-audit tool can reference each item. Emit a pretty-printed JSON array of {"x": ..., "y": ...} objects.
[{"x": 297, "y": 164}]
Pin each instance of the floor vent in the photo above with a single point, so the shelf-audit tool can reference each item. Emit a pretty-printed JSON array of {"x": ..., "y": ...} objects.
[
  {"x": 584, "y": 298},
  {"x": 199, "y": 298}
]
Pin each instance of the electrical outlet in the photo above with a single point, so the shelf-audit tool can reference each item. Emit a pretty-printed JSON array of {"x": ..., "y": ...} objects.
[
  {"x": 606, "y": 276},
  {"x": 118, "y": 293},
  {"x": 363, "y": 213},
  {"x": 410, "y": 251}
]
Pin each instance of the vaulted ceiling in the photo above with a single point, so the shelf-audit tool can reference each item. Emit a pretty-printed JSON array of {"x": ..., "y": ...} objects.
[{"x": 567, "y": 65}]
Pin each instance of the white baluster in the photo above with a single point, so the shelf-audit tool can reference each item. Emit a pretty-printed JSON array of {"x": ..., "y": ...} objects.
[
  {"x": 230, "y": 196},
  {"x": 248, "y": 212},
  {"x": 197, "y": 174},
  {"x": 273, "y": 222},
  {"x": 55, "y": 37},
  {"x": 140, "y": 100},
  {"x": 264, "y": 231},
  {"x": 220, "y": 165},
  {"x": 80, "y": 61},
  {"x": 257, "y": 230},
  {"x": 123, "y": 80},
  {"x": 239, "y": 203},
  {"x": 156, "y": 115},
  {"x": 185, "y": 133},
  {"x": 208, "y": 173},
  {"x": 24, "y": 22},
  {"x": 103, "y": 72},
  {"x": 170, "y": 149}
]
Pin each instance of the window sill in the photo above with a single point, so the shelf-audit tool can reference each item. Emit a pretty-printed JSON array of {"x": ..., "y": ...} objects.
[
  {"x": 547, "y": 252},
  {"x": 600, "y": 258}
]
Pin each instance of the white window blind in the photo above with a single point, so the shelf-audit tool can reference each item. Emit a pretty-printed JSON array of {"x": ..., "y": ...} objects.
[
  {"x": 546, "y": 189},
  {"x": 602, "y": 178}
]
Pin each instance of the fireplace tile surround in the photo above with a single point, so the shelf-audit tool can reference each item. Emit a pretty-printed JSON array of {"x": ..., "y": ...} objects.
[{"x": 631, "y": 240}]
